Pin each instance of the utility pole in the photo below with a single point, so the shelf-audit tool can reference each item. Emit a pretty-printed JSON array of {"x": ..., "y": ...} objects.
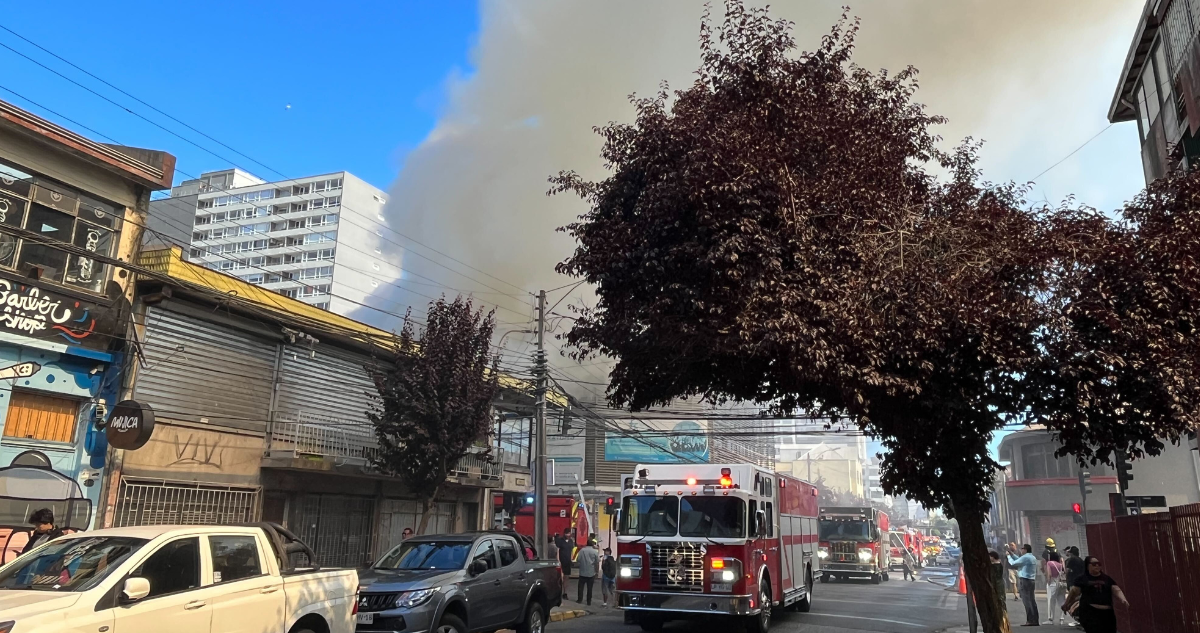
[{"x": 539, "y": 420}]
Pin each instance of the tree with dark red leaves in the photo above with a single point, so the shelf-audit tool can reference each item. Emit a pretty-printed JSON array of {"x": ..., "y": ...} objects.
[
  {"x": 1121, "y": 368},
  {"x": 435, "y": 399},
  {"x": 775, "y": 234}
]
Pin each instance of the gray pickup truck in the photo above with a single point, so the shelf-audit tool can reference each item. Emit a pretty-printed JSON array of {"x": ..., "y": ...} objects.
[{"x": 459, "y": 583}]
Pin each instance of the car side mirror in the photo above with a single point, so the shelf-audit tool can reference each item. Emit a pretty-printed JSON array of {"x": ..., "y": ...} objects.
[
  {"x": 135, "y": 589},
  {"x": 477, "y": 567}
]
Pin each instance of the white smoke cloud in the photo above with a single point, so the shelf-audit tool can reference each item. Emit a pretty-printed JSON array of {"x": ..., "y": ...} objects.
[{"x": 1033, "y": 78}]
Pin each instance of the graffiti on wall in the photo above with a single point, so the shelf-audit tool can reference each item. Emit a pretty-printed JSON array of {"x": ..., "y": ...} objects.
[
  {"x": 20, "y": 370},
  {"x": 30, "y": 484},
  {"x": 204, "y": 451}
]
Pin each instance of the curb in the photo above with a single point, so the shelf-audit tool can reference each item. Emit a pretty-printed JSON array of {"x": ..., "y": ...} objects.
[{"x": 557, "y": 616}]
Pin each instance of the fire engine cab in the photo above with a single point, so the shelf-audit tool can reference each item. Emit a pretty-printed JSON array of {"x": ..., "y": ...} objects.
[{"x": 701, "y": 540}]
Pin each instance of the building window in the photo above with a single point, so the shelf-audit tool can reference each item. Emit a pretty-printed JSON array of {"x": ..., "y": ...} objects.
[
  {"x": 256, "y": 278},
  {"x": 37, "y": 416},
  {"x": 1040, "y": 463},
  {"x": 59, "y": 214},
  {"x": 324, "y": 305},
  {"x": 333, "y": 201},
  {"x": 327, "y": 185},
  {"x": 314, "y": 291}
]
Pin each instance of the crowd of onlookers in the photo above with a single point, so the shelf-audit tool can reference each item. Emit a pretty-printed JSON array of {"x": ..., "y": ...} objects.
[{"x": 1077, "y": 589}]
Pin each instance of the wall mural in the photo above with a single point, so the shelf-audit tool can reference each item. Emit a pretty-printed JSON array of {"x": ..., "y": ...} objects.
[
  {"x": 28, "y": 485},
  {"x": 29, "y": 310}
]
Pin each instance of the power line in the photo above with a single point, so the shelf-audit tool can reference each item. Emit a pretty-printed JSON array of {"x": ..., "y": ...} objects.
[
  {"x": 1073, "y": 152},
  {"x": 197, "y": 145}
]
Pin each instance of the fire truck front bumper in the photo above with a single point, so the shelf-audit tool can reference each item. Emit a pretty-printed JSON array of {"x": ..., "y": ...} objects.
[
  {"x": 849, "y": 570},
  {"x": 650, "y": 601}
]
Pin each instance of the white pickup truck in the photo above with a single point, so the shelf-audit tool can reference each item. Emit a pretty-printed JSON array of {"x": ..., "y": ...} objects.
[{"x": 177, "y": 579}]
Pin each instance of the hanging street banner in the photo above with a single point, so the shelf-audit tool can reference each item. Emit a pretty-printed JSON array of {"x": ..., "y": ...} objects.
[{"x": 657, "y": 441}]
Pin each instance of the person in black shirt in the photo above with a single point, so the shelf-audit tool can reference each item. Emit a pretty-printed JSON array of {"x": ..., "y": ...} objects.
[
  {"x": 566, "y": 551},
  {"x": 1095, "y": 591},
  {"x": 1074, "y": 566},
  {"x": 44, "y": 529}
]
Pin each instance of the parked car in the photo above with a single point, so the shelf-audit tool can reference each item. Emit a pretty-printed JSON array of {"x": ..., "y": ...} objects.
[
  {"x": 944, "y": 558},
  {"x": 480, "y": 581},
  {"x": 181, "y": 579}
]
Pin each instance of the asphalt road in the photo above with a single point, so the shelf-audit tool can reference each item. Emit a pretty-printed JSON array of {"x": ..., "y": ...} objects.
[{"x": 895, "y": 606}]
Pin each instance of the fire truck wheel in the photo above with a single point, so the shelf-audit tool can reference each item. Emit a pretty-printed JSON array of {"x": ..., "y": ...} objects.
[
  {"x": 804, "y": 605},
  {"x": 761, "y": 623},
  {"x": 885, "y": 576},
  {"x": 825, "y": 577},
  {"x": 875, "y": 579}
]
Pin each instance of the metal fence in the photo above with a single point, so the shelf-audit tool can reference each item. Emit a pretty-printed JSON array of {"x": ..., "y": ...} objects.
[
  {"x": 1155, "y": 559},
  {"x": 475, "y": 466},
  {"x": 301, "y": 434},
  {"x": 178, "y": 503}
]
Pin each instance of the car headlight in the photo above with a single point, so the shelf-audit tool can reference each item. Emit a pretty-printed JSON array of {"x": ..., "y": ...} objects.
[
  {"x": 823, "y": 552},
  {"x": 728, "y": 576},
  {"x": 865, "y": 555},
  {"x": 410, "y": 599},
  {"x": 631, "y": 566}
]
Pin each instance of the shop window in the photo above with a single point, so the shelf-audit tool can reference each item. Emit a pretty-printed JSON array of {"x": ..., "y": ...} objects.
[{"x": 41, "y": 417}]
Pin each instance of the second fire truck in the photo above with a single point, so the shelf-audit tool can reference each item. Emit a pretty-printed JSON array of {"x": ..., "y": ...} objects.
[
  {"x": 854, "y": 544},
  {"x": 703, "y": 540}
]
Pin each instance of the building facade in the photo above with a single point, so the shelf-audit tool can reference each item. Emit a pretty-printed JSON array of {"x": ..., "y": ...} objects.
[
  {"x": 1159, "y": 86},
  {"x": 261, "y": 405},
  {"x": 71, "y": 210},
  {"x": 1038, "y": 491},
  {"x": 317, "y": 239}
]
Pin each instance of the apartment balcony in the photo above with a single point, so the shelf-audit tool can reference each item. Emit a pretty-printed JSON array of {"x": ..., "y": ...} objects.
[{"x": 299, "y": 440}]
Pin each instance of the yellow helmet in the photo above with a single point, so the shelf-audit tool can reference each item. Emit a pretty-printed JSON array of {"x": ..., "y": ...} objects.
[{"x": 1049, "y": 542}]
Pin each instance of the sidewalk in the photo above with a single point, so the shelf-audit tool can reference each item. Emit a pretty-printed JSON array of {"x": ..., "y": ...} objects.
[{"x": 1016, "y": 616}]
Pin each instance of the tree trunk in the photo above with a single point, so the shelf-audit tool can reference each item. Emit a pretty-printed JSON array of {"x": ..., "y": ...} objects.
[
  {"x": 427, "y": 505},
  {"x": 989, "y": 599}
]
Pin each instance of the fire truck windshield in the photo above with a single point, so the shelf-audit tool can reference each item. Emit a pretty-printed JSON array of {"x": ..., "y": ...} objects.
[
  {"x": 711, "y": 517},
  {"x": 714, "y": 517},
  {"x": 845, "y": 529},
  {"x": 649, "y": 516}
]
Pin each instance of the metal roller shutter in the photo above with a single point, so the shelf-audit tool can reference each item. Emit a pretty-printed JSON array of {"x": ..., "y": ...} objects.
[{"x": 199, "y": 369}]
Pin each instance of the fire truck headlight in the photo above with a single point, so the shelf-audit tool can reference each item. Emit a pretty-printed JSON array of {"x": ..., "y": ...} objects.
[
  {"x": 823, "y": 553},
  {"x": 728, "y": 576},
  {"x": 865, "y": 555},
  {"x": 631, "y": 566}
]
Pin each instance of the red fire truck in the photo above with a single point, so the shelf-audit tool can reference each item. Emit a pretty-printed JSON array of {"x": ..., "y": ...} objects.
[
  {"x": 854, "y": 544},
  {"x": 698, "y": 540}
]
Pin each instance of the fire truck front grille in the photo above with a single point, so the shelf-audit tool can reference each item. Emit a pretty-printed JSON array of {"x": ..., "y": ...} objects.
[
  {"x": 677, "y": 567},
  {"x": 843, "y": 552}
]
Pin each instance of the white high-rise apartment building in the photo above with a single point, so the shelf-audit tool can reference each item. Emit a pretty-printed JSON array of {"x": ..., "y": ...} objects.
[{"x": 319, "y": 239}]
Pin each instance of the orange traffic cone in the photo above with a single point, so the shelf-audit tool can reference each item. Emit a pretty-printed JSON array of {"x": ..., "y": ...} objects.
[{"x": 962, "y": 581}]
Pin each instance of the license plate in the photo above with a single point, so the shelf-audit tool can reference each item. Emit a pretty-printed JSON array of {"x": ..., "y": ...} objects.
[
  {"x": 366, "y": 618},
  {"x": 722, "y": 586}
]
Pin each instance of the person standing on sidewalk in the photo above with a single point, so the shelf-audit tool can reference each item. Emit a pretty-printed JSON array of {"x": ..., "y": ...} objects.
[
  {"x": 1056, "y": 590},
  {"x": 565, "y": 549},
  {"x": 1095, "y": 592},
  {"x": 1026, "y": 566},
  {"x": 998, "y": 572},
  {"x": 1012, "y": 574},
  {"x": 589, "y": 568},
  {"x": 608, "y": 577}
]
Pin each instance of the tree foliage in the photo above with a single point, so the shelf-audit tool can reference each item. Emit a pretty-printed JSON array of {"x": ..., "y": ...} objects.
[
  {"x": 435, "y": 399},
  {"x": 776, "y": 233}
]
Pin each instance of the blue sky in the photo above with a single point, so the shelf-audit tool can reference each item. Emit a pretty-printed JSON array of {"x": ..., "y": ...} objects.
[{"x": 364, "y": 83}]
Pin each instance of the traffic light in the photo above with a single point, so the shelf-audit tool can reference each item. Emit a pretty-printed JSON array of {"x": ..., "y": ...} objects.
[
  {"x": 1085, "y": 482},
  {"x": 1077, "y": 508},
  {"x": 610, "y": 506},
  {"x": 1124, "y": 471}
]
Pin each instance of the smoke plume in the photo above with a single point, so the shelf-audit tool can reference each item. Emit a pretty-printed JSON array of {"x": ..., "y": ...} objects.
[{"x": 1032, "y": 78}]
